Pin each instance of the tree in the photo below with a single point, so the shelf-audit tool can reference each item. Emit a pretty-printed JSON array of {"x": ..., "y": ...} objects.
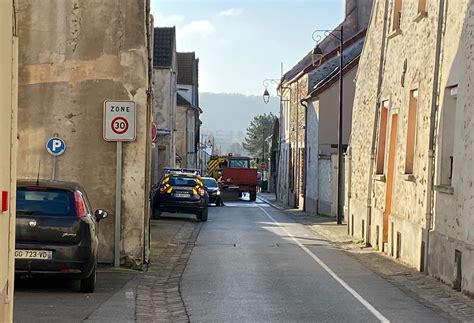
[{"x": 260, "y": 128}]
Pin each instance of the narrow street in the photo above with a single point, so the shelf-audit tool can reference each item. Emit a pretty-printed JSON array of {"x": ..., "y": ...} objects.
[
  {"x": 249, "y": 262},
  {"x": 252, "y": 263}
]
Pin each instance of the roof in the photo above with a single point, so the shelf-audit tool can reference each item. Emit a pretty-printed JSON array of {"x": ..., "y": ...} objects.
[
  {"x": 70, "y": 186},
  {"x": 328, "y": 44},
  {"x": 187, "y": 66},
  {"x": 181, "y": 101},
  {"x": 326, "y": 71},
  {"x": 164, "y": 46}
]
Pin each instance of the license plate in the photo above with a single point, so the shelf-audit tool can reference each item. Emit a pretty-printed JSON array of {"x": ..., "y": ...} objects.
[
  {"x": 33, "y": 254},
  {"x": 184, "y": 195}
]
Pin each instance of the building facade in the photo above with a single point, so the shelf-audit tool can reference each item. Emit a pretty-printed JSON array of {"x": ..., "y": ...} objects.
[
  {"x": 322, "y": 130},
  {"x": 8, "y": 147},
  {"x": 295, "y": 86},
  {"x": 74, "y": 55},
  {"x": 165, "y": 73},
  {"x": 411, "y": 177},
  {"x": 188, "y": 109}
]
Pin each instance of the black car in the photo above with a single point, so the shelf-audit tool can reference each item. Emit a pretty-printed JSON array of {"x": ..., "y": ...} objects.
[
  {"x": 213, "y": 190},
  {"x": 181, "y": 192},
  {"x": 56, "y": 231}
]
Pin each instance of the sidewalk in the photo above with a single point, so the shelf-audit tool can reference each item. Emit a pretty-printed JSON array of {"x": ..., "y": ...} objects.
[
  {"x": 427, "y": 290},
  {"x": 158, "y": 297}
]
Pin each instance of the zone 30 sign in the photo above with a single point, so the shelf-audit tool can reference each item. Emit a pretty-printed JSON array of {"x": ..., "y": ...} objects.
[{"x": 119, "y": 121}]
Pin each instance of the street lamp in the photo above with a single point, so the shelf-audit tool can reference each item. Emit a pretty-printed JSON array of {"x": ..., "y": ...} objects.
[
  {"x": 266, "y": 84},
  {"x": 317, "y": 56},
  {"x": 266, "y": 96}
]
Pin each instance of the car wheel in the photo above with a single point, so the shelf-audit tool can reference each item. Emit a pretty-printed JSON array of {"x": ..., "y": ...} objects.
[
  {"x": 202, "y": 216},
  {"x": 88, "y": 284},
  {"x": 253, "y": 195},
  {"x": 156, "y": 214}
]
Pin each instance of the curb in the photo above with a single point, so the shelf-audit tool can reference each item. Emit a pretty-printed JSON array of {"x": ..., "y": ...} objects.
[{"x": 270, "y": 203}]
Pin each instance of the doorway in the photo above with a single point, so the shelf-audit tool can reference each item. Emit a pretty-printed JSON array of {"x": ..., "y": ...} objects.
[{"x": 390, "y": 172}]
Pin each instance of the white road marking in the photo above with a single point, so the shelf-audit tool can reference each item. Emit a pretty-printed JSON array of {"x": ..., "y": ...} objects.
[{"x": 356, "y": 295}]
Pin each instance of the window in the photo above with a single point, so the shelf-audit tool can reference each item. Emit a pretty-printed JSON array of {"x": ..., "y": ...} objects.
[
  {"x": 382, "y": 137},
  {"x": 397, "y": 15},
  {"x": 447, "y": 135},
  {"x": 239, "y": 163},
  {"x": 411, "y": 132}
]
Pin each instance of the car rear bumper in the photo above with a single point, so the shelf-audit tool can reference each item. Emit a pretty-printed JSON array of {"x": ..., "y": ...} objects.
[
  {"x": 214, "y": 198},
  {"x": 181, "y": 206},
  {"x": 75, "y": 260}
]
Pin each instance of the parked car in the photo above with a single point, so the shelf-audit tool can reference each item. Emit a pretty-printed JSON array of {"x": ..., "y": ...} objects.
[
  {"x": 56, "y": 231},
  {"x": 213, "y": 190},
  {"x": 180, "y": 192}
]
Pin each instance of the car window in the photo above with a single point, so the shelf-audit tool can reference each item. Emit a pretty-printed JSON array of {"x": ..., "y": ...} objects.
[
  {"x": 182, "y": 181},
  {"x": 44, "y": 202},
  {"x": 239, "y": 163},
  {"x": 209, "y": 182}
]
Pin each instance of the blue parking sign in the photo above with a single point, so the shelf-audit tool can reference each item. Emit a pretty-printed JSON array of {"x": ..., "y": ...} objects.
[{"x": 56, "y": 146}]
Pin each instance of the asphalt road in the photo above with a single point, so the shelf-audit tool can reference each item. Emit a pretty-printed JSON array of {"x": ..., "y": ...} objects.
[
  {"x": 48, "y": 299},
  {"x": 252, "y": 263}
]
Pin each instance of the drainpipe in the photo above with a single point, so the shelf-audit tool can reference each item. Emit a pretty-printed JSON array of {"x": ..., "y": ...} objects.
[
  {"x": 305, "y": 104},
  {"x": 149, "y": 119},
  {"x": 297, "y": 147},
  {"x": 432, "y": 145},
  {"x": 375, "y": 125}
]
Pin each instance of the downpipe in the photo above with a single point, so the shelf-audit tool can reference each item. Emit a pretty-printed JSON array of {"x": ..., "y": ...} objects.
[
  {"x": 304, "y": 103},
  {"x": 368, "y": 220},
  {"x": 432, "y": 145}
]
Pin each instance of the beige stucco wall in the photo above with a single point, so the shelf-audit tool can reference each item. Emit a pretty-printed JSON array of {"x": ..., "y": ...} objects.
[
  {"x": 8, "y": 146},
  {"x": 454, "y": 204},
  {"x": 165, "y": 115},
  {"x": 73, "y": 56},
  {"x": 322, "y": 133}
]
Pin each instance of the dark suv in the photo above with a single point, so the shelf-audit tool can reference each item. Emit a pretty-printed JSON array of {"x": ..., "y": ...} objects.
[
  {"x": 56, "y": 231},
  {"x": 180, "y": 192}
]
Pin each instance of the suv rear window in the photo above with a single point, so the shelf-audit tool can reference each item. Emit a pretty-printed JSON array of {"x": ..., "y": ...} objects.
[
  {"x": 182, "y": 181},
  {"x": 40, "y": 201}
]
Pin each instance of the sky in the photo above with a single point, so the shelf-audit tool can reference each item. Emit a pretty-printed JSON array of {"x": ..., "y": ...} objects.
[{"x": 242, "y": 43}]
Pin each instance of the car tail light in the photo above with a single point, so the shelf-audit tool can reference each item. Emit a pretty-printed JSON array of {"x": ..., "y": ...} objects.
[
  {"x": 81, "y": 210},
  {"x": 201, "y": 191},
  {"x": 165, "y": 188}
]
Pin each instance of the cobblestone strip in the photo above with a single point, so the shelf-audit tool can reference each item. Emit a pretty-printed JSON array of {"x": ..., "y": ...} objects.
[{"x": 158, "y": 293}]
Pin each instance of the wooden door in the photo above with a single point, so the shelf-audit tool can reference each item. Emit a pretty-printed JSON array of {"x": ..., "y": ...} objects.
[{"x": 390, "y": 172}]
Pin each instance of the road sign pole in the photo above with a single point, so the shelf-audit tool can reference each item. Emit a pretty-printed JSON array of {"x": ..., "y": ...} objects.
[
  {"x": 118, "y": 204},
  {"x": 53, "y": 171}
]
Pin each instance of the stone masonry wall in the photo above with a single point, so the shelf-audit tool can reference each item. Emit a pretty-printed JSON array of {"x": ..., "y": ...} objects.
[{"x": 74, "y": 55}]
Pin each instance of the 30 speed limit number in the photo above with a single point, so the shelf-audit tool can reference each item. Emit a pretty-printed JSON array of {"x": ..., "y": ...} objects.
[{"x": 119, "y": 121}]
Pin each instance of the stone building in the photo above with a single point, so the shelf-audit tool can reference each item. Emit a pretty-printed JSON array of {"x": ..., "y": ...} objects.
[
  {"x": 74, "y": 55},
  {"x": 165, "y": 74},
  {"x": 188, "y": 122},
  {"x": 411, "y": 189},
  {"x": 8, "y": 147},
  {"x": 293, "y": 88}
]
